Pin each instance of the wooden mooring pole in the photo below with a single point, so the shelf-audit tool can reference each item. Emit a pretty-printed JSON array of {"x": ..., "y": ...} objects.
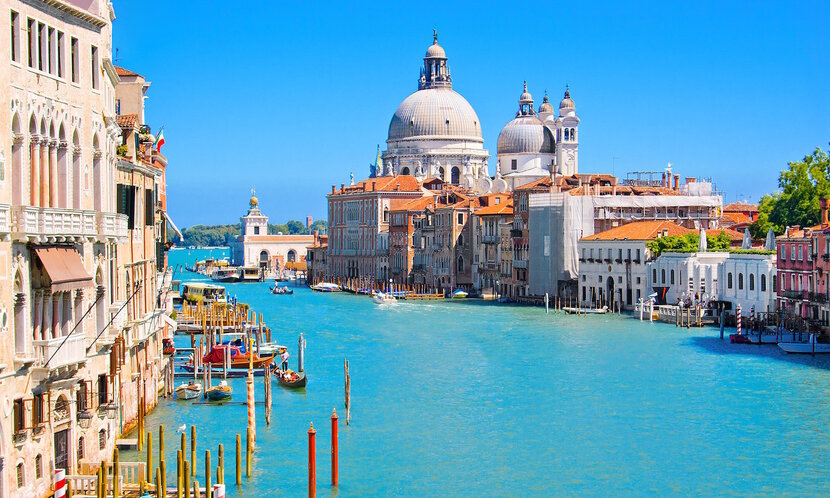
[
  {"x": 348, "y": 393},
  {"x": 312, "y": 462}
]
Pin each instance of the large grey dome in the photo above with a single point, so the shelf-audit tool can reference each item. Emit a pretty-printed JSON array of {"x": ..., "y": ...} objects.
[
  {"x": 525, "y": 135},
  {"x": 435, "y": 113}
]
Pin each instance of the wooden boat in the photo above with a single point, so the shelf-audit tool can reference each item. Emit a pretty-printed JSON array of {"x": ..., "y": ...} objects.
[
  {"x": 585, "y": 311},
  {"x": 190, "y": 390},
  {"x": 292, "y": 380},
  {"x": 216, "y": 356},
  {"x": 219, "y": 393}
]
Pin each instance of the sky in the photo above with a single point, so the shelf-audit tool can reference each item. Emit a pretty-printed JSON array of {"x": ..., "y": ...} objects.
[{"x": 291, "y": 97}]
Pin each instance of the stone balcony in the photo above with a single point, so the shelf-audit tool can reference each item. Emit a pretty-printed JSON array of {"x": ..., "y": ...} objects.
[
  {"x": 490, "y": 239},
  {"x": 50, "y": 225},
  {"x": 58, "y": 353}
]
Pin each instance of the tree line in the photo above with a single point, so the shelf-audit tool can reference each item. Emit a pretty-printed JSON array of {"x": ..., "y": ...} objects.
[{"x": 225, "y": 235}]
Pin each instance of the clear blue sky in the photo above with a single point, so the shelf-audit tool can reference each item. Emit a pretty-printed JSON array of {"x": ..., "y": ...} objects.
[{"x": 290, "y": 97}]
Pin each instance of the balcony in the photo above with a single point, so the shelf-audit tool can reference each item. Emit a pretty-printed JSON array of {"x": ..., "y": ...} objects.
[
  {"x": 519, "y": 263},
  {"x": 490, "y": 239},
  {"x": 37, "y": 224},
  {"x": 816, "y": 297},
  {"x": 515, "y": 233},
  {"x": 72, "y": 352},
  {"x": 111, "y": 227},
  {"x": 825, "y": 257},
  {"x": 797, "y": 295}
]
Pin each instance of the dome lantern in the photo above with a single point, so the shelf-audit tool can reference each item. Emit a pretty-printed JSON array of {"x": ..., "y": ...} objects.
[
  {"x": 525, "y": 103},
  {"x": 436, "y": 72},
  {"x": 567, "y": 105},
  {"x": 545, "y": 108}
]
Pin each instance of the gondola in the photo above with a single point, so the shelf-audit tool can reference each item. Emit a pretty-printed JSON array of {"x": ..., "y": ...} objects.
[
  {"x": 292, "y": 380},
  {"x": 281, "y": 290}
]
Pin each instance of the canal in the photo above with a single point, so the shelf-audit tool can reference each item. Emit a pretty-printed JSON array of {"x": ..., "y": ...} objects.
[{"x": 467, "y": 398}]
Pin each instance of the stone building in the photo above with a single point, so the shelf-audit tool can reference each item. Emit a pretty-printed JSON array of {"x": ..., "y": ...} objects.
[{"x": 491, "y": 225}]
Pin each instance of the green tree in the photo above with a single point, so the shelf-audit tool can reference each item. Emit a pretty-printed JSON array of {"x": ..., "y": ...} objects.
[{"x": 801, "y": 185}]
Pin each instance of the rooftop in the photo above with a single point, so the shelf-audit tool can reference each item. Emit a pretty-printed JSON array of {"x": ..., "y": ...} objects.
[{"x": 641, "y": 230}]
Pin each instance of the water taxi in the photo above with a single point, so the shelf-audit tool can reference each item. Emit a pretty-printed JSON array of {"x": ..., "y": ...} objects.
[
  {"x": 459, "y": 294},
  {"x": 384, "y": 298},
  {"x": 200, "y": 292},
  {"x": 250, "y": 274},
  {"x": 812, "y": 346},
  {"x": 325, "y": 287},
  {"x": 226, "y": 274}
]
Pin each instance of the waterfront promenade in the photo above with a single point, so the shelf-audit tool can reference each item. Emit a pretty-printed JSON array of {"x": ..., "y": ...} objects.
[{"x": 474, "y": 399}]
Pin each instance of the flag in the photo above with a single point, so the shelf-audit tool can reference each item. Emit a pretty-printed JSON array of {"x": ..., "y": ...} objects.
[{"x": 159, "y": 140}]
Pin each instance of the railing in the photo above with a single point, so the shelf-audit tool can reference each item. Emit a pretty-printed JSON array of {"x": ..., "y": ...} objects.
[
  {"x": 796, "y": 294},
  {"x": 515, "y": 233},
  {"x": 112, "y": 226},
  {"x": 490, "y": 239},
  {"x": 519, "y": 263},
  {"x": 53, "y": 222},
  {"x": 817, "y": 298},
  {"x": 490, "y": 265},
  {"x": 72, "y": 352},
  {"x": 825, "y": 257},
  {"x": 5, "y": 218}
]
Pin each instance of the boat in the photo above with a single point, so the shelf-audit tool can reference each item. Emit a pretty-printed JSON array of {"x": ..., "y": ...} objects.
[
  {"x": 219, "y": 393},
  {"x": 459, "y": 294},
  {"x": 265, "y": 349},
  {"x": 812, "y": 346},
  {"x": 250, "y": 274},
  {"x": 239, "y": 359},
  {"x": 325, "y": 287},
  {"x": 585, "y": 311},
  {"x": 739, "y": 339},
  {"x": 196, "y": 292},
  {"x": 226, "y": 274},
  {"x": 292, "y": 380},
  {"x": 281, "y": 290},
  {"x": 190, "y": 390},
  {"x": 383, "y": 298}
]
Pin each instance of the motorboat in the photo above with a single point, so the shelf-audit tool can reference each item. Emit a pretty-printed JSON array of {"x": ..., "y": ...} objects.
[
  {"x": 238, "y": 358},
  {"x": 219, "y": 393},
  {"x": 201, "y": 292},
  {"x": 384, "y": 298},
  {"x": 325, "y": 287},
  {"x": 190, "y": 390},
  {"x": 265, "y": 349},
  {"x": 459, "y": 294},
  {"x": 250, "y": 274},
  {"x": 812, "y": 346}
]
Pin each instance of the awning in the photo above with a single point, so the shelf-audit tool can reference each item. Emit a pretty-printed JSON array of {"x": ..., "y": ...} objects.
[
  {"x": 65, "y": 268},
  {"x": 173, "y": 225}
]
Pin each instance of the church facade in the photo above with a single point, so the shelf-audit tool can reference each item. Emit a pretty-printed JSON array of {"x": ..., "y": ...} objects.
[{"x": 270, "y": 253}]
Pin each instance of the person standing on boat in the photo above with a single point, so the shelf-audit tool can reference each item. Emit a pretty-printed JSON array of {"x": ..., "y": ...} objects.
[{"x": 284, "y": 358}]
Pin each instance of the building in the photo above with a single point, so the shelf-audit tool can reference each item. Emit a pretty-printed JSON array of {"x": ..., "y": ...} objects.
[
  {"x": 491, "y": 224},
  {"x": 749, "y": 280},
  {"x": 406, "y": 220},
  {"x": 435, "y": 132},
  {"x": 271, "y": 253},
  {"x": 83, "y": 289},
  {"x": 316, "y": 260},
  {"x": 795, "y": 272},
  {"x": 612, "y": 264},
  {"x": 739, "y": 215},
  {"x": 358, "y": 230}
]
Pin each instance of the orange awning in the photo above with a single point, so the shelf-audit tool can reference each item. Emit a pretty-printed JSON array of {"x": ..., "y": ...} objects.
[{"x": 65, "y": 268}]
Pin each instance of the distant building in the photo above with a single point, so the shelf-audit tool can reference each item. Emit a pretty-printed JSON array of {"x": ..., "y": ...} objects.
[
  {"x": 491, "y": 225},
  {"x": 795, "y": 272},
  {"x": 316, "y": 260},
  {"x": 255, "y": 247},
  {"x": 739, "y": 215}
]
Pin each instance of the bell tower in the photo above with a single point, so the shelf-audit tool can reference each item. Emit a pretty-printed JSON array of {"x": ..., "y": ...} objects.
[{"x": 254, "y": 223}]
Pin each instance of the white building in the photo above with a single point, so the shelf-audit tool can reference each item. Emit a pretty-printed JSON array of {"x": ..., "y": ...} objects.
[
  {"x": 749, "y": 280},
  {"x": 612, "y": 264},
  {"x": 435, "y": 132},
  {"x": 687, "y": 277},
  {"x": 270, "y": 253}
]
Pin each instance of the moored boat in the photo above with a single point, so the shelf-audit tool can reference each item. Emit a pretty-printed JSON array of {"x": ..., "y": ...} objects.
[
  {"x": 459, "y": 294},
  {"x": 168, "y": 347},
  {"x": 292, "y": 379},
  {"x": 190, "y": 390},
  {"x": 238, "y": 359},
  {"x": 219, "y": 393},
  {"x": 325, "y": 287},
  {"x": 585, "y": 311},
  {"x": 812, "y": 346},
  {"x": 226, "y": 274},
  {"x": 196, "y": 292}
]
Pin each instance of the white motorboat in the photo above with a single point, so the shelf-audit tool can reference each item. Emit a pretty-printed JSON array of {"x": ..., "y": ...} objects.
[
  {"x": 190, "y": 390},
  {"x": 810, "y": 347},
  {"x": 325, "y": 287},
  {"x": 384, "y": 298}
]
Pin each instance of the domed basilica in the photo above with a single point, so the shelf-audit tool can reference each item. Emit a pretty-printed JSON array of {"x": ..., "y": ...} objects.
[{"x": 435, "y": 133}]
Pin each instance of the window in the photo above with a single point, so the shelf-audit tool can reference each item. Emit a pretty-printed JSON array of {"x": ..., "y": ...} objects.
[
  {"x": 39, "y": 417},
  {"x": 20, "y": 477},
  {"x": 94, "y": 66},
  {"x": 61, "y": 56},
  {"x": 460, "y": 218},
  {"x": 125, "y": 203},
  {"x": 102, "y": 439},
  {"x": 671, "y": 277},
  {"x": 763, "y": 283},
  {"x": 38, "y": 466},
  {"x": 118, "y": 107},
  {"x": 740, "y": 281},
  {"x": 752, "y": 281},
  {"x": 19, "y": 415},
  {"x": 103, "y": 396},
  {"x": 800, "y": 253},
  {"x": 663, "y": 276},
  {"x": 80, "y": 450},
  {"x": 15, "y": 25},
  {"x": 638, "y": 255},
  {"x": 41, "y": 46},
  {"x": 256, "y": 230},
  {"x": 514, "y": 164},
  {"x": 775, "y": 284},
  {"x": 30, "y": 33},
  {"x": 729, "y": 280},
  {"x": 75, "y": 59},
  {"x": 51, "y": 44},
  {"x": 149, "y": 204},
  {"x": 567, "y": 134},
  {"x": 654, "y": 275}
]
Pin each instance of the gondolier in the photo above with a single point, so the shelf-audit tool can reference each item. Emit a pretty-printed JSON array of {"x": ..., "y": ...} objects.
[{"x": 284, "y": 358}]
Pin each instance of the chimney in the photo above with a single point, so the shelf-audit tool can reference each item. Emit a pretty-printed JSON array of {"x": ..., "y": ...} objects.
[
  {"x": 342, "y": 187},
  {"x": 676, "y": 182},
  {"x": 333, "y": 189},
  {"x": 663, "y": 181},
  {"x": 614, "y": 190},
  {"x": 823, "y": 203}
]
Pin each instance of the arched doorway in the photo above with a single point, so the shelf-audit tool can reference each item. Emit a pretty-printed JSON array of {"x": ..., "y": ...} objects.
[
  {"x": 292, "y": 256},
  {"x": 405, "y": 171},
  {"x": 264, "y": 261},
  {"x": 455, "y": 175}
]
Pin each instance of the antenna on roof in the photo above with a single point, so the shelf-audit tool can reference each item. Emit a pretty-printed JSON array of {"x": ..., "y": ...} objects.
[{"x": 116, "y": 55}]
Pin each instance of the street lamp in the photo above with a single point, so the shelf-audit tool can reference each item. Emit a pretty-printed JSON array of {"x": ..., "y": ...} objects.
[
  {"x": 84, "y": 418},
  {"x": 111, "y": 410}
]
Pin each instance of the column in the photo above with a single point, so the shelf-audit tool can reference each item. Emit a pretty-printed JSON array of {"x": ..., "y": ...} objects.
[
  {"x": 44, "y": 173},
  {"x": 46, "y": 327},
  {"x": 37, "y": 309},
  {"x": 57, "y": 313},
  {"x": 34, "y": 168},
  {"x": 53, "y": 173},
  {"x": 66, "y": 324},
  {"x": 79, "y": 312}
]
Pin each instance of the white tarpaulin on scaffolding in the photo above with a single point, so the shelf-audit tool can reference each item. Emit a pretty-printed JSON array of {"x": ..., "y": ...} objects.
[{"x": 557, "y": 221}]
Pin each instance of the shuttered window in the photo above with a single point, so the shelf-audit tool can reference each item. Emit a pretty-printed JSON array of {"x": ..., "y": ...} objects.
[
  {"x": 149, "y": 211},
  {"x": 125, "y": 203}
]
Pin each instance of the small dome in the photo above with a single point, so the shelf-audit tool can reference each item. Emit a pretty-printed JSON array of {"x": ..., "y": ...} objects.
[
  {"x": 545, "y": 107},
  {"x": 525, "y": 135},
  {"x": 435, "y": 51},
  {"x": 567, "y": 103},
  {"x": 525, "y": 97}
]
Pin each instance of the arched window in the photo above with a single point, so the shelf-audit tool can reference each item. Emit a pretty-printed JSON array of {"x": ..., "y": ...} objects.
[
  {"x": 671, "y": 277},
  {"x": 740, "y": 281},
  {"x": 455, "y": 175},
  {"x": 663, "y": 276},
  {"x": 729, "y": 280},
  {"x": 654, "y": 275},
  {"x": 38, "y": 466},
  {"x": 460, "y": 265},
  {"x": 76, "y": 171},
  {"x": 567, "y": 134},
  {"x": 752, "y": 281},
  {"x": 21, "y": 478},
  {"x": 80, "y": 454},
  {"x": 573, "y": 134},
  {"x": 405, "y": 170},
  {"x": 441, "y": 172},
  {"x": 292, "y": 256},
  {"x": 19, "y": 314},
  {"x": 763, "y": 283}
]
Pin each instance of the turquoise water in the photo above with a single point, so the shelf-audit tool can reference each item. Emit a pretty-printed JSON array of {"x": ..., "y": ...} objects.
[{"x": 465, "y": 398}]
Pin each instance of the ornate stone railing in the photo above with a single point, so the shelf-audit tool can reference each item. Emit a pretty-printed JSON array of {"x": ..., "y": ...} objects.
[
  {"x": 5, "y": 219},
  {"x": 111, "y": 226},
  {"x": 59, "y": 353},
  {"x": 52, "y": 224}
]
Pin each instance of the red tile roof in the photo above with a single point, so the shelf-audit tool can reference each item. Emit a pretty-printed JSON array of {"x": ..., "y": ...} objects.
[
  {"x": 641, "y": 230},
  {"x": 505, "y": 207},
  {"x": 740, "y": 207},
  {"x": 120, "y": 71},
  {"x": 127, "y": 121},
  {"x": 400, "y": 183}
]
